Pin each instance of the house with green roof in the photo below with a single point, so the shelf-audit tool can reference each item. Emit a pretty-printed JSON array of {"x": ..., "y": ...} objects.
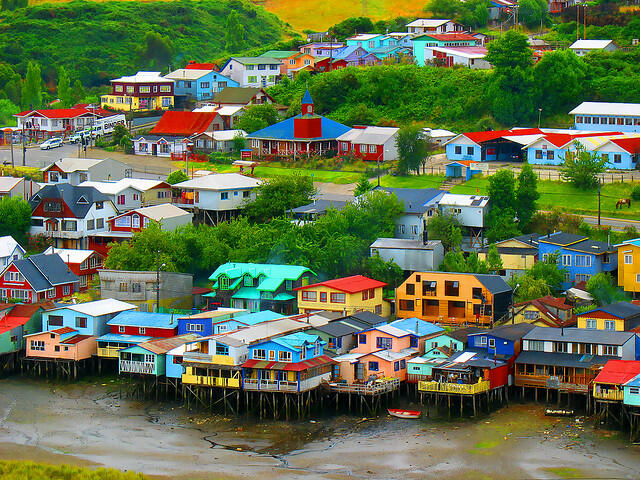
[
  {"x": 253, "y": 71},
  {"x": 258, "y": 286}
]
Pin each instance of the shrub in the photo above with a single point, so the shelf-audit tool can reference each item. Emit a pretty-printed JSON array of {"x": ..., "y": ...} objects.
[{"x": 635, "y": 193}]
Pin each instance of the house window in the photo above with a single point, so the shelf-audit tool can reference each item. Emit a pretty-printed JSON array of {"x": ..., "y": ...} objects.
[
  {"x": 224, "y": 195},
  {"x": 51, "y": 293},
  {"x": 609, "y": 325},
  {"x": 165, "y": 88},
  {"x": 144, "y": 89},
  {"x": 396, "y": 366},
  {"x": 284, "y": 356},
  {"x": 136, "y": 288},
  {"x": 483, "y": 340},
  {"x": 410, "y": 289},
  {"x": 222, "y": 349},
  {"x": 166, "y": 101},
  {"x": 142, "y": 330},
  {"x": 634, "y": 390},
  {"x": 610, "y": 350},
  {"x": 550, "y": 155},
  {"x": 362, "y": 339},
  {"x": 560, "y": 347},
  {"x": 338, "y": 297},
  {"x": 248, "y": 281},
  {"x": 566, "y": 260},
  {"x": 536, "y": 345},
  {"x": 121, "y": 329},
  {"x": 56, "y": 348},
  {"x": 373, "y": 366},
  {"x": 55, "y": 320},
  {"x": 628, "y": 259},
  {"x": 323, "y": 296},
  {"x": 195, "y": 327},
  {"x": 582, "y": 277},
  {"x": 52, "y": 206},
  {"x": 492, "y": 343},
  {"x": 592, "y": 323},
  {"x": 259, "y": 354},
  {"x": 531, "y": 315},
  {"x": 403, "y": 364},
  {"x": 252, "y": 79},
  {"x": 246, "y": 194},
  {"x": 384, "y": 342},
  {"x": 223, "y": 282},
  {"x": 37, "y": 345},
  {"x": 451, "y": 288},
  {"x": 288, "y": 285},
  {"x": 406, "y": 305},
  {"x": 617, "y": 158},
  {"x": 582, "y": 260},
  {"x": 149, "y": 358},
  {"x": 458, "y": 149},
  {"x": 81, "y": 322},
  {"x": 91, "y": 224},
  {"x": 309, "y": 296},
  {"x": 204, "y": 85},
  {"x": 469, "y": 150}
]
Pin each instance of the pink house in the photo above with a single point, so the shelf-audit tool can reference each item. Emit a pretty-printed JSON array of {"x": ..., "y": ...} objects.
[{"x": 64, "y": 343}]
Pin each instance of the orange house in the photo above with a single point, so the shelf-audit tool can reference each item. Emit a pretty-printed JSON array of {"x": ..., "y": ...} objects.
[
  {"x": 383, "y": 351},
  {"x": 63, "y": 343},
  {"x": 298, "y": 62}
]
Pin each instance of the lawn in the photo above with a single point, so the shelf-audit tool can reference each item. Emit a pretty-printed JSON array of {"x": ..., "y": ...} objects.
[
  {"x": 12, "y": 470},
  {"x": 567, "y": 198},
  {"x": 411, "y": 181}
]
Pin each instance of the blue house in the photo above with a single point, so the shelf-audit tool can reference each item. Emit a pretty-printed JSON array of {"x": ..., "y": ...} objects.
[
  {"x": 581, "y": 257},
  {"x": 223, "y": 320},
  {"x": 368, "y": 41},
  {"x": 607, "y": 117},
  {"x": 505, "y": 340},
  {"x": 199, "y": 84},
  {"x": 88, "y": 318},
  {"x": 462, "y": 169},
  {"x": 291, "y": 363}
]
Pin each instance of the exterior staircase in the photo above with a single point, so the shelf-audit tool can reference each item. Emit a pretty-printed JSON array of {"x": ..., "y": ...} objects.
[{"x": 449, "y": 183}]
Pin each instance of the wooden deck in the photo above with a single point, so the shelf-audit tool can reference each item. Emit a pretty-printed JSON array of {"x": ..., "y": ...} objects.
[
  {"x": 456, "y": 388},
  {"x": 372, "y": 388}
]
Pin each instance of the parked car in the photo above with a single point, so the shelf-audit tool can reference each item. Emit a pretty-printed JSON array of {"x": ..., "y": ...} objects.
[
  {"x": 78, "y": 136},
  {"x": 51, "y": 143}
]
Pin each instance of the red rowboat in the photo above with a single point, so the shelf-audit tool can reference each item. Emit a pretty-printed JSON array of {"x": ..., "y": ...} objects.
[{"x": 396, "y": 412}]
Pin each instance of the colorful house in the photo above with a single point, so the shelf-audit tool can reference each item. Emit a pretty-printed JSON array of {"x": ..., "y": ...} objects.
[
  {"x": 257, "y": 72},
  {"x": 63, "y": 343},
  {"x": 89, "y": 318},
  {"x": 199, "y": 84},
  {"x": 242, "y": 97},
  {"x": 356, "y": 56},
  {"x": 143, "y": 91},
  {"x": 10, "y": 250},
  {"x": 292, "y": 61},
  {"x": 454, "y": 298},
  {"x": 504, "y": 341},
  {"x": 84, "y": 263},
  {"x": 368, "y": 41},
  {"x": 320, "y": 49},
  {"x": 609, "y": 383},
  {"x": 222, "y": 321},
  {"x": 463, "y": 169},
  {"x": 306, "y": 133},
  {"x": 167, "y": 215},
  {"x": 340, "y": 335},
  {"x": 629, "y": 266},
  {"x": 131, "y": 193},
  {"x": 257, "y": 287},
  {"x": 621, "y": 317},
  {"x": 346, "y": 295},
  {"x": 433, "y": 25},
  {"x": 291, "y": 363},
  {"x": 45, "y": 123},
  {"x": 37, "y": 278},
  {"x": 78, "y": 170},
  {"x": 545, "y": 312},
  {"x": 631, "y": 392},
  {"x": 410, "y": 255},
  {"x": 517, "y": 254},
  {"x": 20, "y": 187},
  {"x": 580, "y": 256},
  {"x": 375, "y": 144},
  {"x": 623, "y": 117},
  {"x": 383, "y": 351},
  {"x": 437, "y": 350},
  {"x": 18, "y": 320},
  {"x": 420, "y": 42},
  {"x": 148, "y": 358}
]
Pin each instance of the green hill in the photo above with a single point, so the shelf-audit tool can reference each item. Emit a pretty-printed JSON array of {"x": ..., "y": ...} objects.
[{"x": 99, "y": 41}]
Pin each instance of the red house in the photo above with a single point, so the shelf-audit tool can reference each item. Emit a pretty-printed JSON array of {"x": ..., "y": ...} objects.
[
  {"x": 37, "y": 278},
  {"x": 156, "y": 325},
  {"x": 84, "y": 263},
  {"x": 187, "y": 123},
  {"x": 328, "y": 64}
]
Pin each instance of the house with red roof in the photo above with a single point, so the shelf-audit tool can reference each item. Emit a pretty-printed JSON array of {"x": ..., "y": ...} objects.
[
  {"x": 545, "y": 312},
  {"x": 62, "y": 343},
  {"x": 18, "y": 320},
  {"x": 84, "y": 263},
  {"x": 608, "y": 384},
  {"x": 492, "y": 145},
  {"x": 45, "y": 123},
  {"x": 171, "y": 136},
  {"x": 347, "y": 295},
  {"x": 551, "y": 148},
  {"x": 620, "y": 152}
]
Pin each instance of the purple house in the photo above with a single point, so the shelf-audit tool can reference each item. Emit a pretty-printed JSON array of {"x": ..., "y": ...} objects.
[
  {"x": 356, "y": 56},
  {"x": 321, "y": 49}
]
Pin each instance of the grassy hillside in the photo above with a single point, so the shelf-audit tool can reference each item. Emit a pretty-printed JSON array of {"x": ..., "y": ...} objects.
[
  {"x": 37, "y": 471},
  {"x": 97, "y": 41}
]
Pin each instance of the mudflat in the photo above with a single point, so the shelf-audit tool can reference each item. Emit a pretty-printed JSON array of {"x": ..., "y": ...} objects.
[{"x": 88, "y": 424}]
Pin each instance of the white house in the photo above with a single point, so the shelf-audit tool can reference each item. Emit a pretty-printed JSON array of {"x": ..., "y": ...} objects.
[
  {"x": 252, "y": 71},
  {"x": 470, "y": 210},
  {"x": 168, "y": 216},
  {"x": 17, "y": 187},
  {"x": 45, "y": 123},
  {"x": 434, "y": 25},
  {"x": 607, "y": 117},
  {"x": 220, "y": 141},
  {"x": 410, "y": 255},
  {"x": 10, "y": 250},
  {"x": 74, "y": 171},
  {"x": 218, "y": 196},
  {"x": 370, "y": 143},
  {"x": 68, "y": 213},
  {"x": 582, "y": 47},
  {"x": 438, "y": 136},
  {"x": 471, "y": 57},
  {"x": 130, "y": 193}
]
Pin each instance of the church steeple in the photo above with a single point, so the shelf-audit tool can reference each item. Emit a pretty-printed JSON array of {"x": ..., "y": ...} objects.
[{"x": 307, "y": 104}]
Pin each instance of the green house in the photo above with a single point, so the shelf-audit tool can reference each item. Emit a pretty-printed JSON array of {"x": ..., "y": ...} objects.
[
  {"x": 631, "y": 391},
  {"x": 440, "y": 40},
  {"x": 438, "y": 350},
  {"x": 18, "y": 320},
  {"x": 257, "y": 287}
]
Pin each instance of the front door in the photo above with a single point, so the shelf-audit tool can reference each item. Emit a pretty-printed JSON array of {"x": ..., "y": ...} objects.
[
  {"x": 154, "y": 149},
  {"x": 359, "y": 371}
]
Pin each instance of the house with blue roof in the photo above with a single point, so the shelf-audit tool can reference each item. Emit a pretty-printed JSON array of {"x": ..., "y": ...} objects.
[
  {"x": 291, "y": 363},
  {"x": 199, "y": 84},
  {"x": 356, "y": 56},
  {"x": 306, "y": 133},
  {"x": 504, "y": 341},
  {"x": 89, "y": 318},
  {"x": 420, "y": 204},
  {"x": 223, "y": 320},
  {"x": 580, "y": 256},
  {"x": 256, "y": 287}
]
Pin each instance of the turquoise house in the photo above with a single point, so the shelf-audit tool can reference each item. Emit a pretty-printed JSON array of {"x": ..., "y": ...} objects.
[
  {"x": 88, "y": 318},
  {"x": 631, "y": 391},
  {"x": 149, "y": 358},
  {"x": 438, "y": 350},
  {"x": 440, "y": 40},
  {"x": 16, "y": 321}
]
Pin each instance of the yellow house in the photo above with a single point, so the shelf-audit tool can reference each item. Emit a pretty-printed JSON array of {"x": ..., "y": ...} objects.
[
  {"x": 346, "y": 295},
  {"x": 629, "y": 265},
  {"x": 517, "y": 254},
  {"x": 141, "y": 92},
  {"x": 544, "y": 312},
  {"x": 621, "y": 316}
]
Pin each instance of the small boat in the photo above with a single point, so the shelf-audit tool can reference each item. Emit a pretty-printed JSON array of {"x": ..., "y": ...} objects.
[{"x": 397, "y": 412}]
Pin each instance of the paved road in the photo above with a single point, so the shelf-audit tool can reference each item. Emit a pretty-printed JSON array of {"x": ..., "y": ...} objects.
[{"x": 615, "y": 223}]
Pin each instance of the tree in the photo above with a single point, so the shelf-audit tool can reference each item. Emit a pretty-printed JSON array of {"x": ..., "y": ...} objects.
[
  {"x": 257, "y": 117},
  {"x": 120, "y": 134},
  {"x": 447, "y": 229},
  {"x": 602, "y": 288},
  {"x": 32, "y": 88},
  {"x": 510, "y": 51},
  {"x": 502, "y": 189},
  {"x": 581, "y": 167},
  {"x": 77, "y": 93},
  {"x": 501, "y": 224},
  {"x": 177, "y": 177},
  {"x": 239, "y": 142},
  {"x": 388, "y": 272},
  {"x": 494, "y": 261},
  {"x": 549, "y": 271},
  {"x": 363, "y": 186},
  {"x": 15, "y": 218},
  {"x": 526, "y": 195},
  {"x": 234, "y": 33},
  {"x": 64, "y": 88},
  {"x": 527, "y": 287},
  {"x": 7, "y": 111},
  {"x": 156, "y": 50},
  {"x": 456, "y": 261},
  {"x": 277, "y": 195},
  {"x": 559, "y": 80},
  {"x": 412, "y": 148},
  {"x": 532, "y": 12},
  {"x": 351, "y": 26}
]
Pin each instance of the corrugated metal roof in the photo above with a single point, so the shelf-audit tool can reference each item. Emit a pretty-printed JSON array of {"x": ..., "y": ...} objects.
[
  {"x": 99, "y": 307},
  {"x": 618, "y": 372},
  {"x": 220, "y": 181},
  {"x": 562, "y": 359},
  {"x": 145, "y": 319},
  {"x": 582, "y": 335}
]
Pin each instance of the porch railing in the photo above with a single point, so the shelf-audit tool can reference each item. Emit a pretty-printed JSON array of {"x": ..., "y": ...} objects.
[
  {"x": 131, "y": 366},
  {"x": 459, "y": 388}
]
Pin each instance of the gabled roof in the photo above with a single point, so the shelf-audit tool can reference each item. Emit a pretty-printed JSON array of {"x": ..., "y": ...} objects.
[
  {"x": 415, "y": 200},
  {"x": 270, "y": 271},
  {"x": 581, "y": 335},
  {"x": 352, "y": 284},
  {"x": 427, "y": 22},
  {"x": 19, "y": 314},
  {"x": 462, "y": 200},
  {"x": 43, "y": 272},
  {"x": 493, "y": 283},
  {"x": 70, "y": 165},
  {"x": 279, "y": 53},
  {"x": 368, "y": 135},
  {"x": 71, "y": 195},
  {"x": 58, "y": 113},
  {"x": 577, "y": 243},
  {"x": 342, "y": 327},
  {"x": 7, "y": 183},
  {"x": 70, "y": 255},
  {"x": 99, "y": 307},
  {"x": 618, "y": 372},
  {"x": 174, "y": 122},
  {"x": 8, "y": 245},
  {"x": 623, "y": 310},
  {"x": 256, "y": 60},
  {"x": 143, "y": 77},
  {"x": 368, "y": 317},
  {"x": 237, "y": 95},
  {"x": 284, "y": 130},
  {"x": 590, "y": 44},
  {"x": 158, "y": 212},
  {"x": 486, "y": 136},
  {"x": 113, "y": 188},
  {"x": 416, "y": 326},
  {"x": 508, "y": 332},
  {"x": 220, "y": 181},
  {"x": 607, "y": 108},
  {"x": 145, "y": 319},
  {"x": 296, "y": 340},
  {"x": 544, "y": 305},
  {"x": 188, "y": 74},
  {"x": 163, "y": 345}
]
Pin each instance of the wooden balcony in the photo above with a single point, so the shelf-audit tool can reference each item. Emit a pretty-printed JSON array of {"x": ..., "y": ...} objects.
[
  {"x": 198, "y": 357},
  {"x": 109, "y": 352},
  {"x": 270, "y": 385},
  {"x": 223, "y": 382},
  {"x": 131, "y": 366},
  {"x": 571, "y": 383},
  {"x": 457, "y": 388},
  {"x": 377, "y": 387},
  {"x": 417, "y": 377},
  {"x": 612, "y": 395}
]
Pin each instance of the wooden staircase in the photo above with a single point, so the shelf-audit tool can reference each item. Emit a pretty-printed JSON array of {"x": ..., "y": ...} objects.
[{"x": 449, "y": 183}]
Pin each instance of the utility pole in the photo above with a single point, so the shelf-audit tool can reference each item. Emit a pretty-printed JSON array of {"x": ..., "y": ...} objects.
[
  {"x": 13, "y": 165},
  {"x": 599, "y": 184}
]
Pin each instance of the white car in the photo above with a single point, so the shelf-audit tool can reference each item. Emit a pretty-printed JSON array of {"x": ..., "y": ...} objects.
[
  {"x": 51, "y": 143},
  {"x": 78, "y": 136}
]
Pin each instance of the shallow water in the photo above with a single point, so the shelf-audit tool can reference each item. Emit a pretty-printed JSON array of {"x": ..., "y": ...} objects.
[{"x": 89, "y": 424}]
